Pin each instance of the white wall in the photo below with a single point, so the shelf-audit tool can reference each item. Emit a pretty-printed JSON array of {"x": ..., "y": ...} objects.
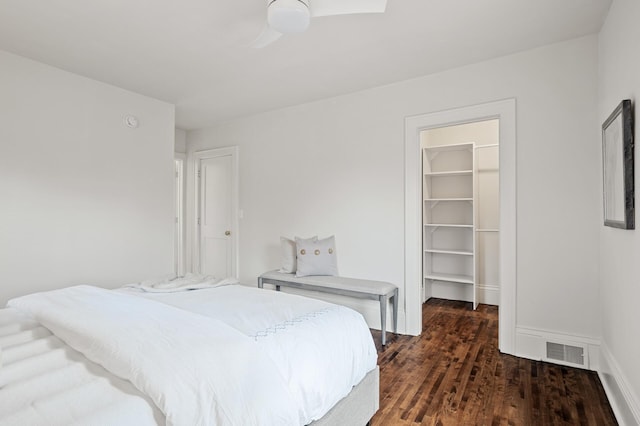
[
  {"x": 337, "y": 167},
  {"x": 180, "y": 140},
  {"x": 85, "y": 199},
  {"x": 619, "y": 78}
]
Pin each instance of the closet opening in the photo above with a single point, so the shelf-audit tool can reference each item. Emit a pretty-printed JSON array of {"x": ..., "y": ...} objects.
[
  {"x": 505, "y": 112},
  {"x": 461, "y": 212}
]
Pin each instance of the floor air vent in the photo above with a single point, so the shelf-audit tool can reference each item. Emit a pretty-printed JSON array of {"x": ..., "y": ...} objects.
[{"x": 566, "y": 353}]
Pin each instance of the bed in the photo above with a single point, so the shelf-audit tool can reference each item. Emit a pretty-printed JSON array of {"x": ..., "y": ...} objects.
[{"x": 225, "y": 355}]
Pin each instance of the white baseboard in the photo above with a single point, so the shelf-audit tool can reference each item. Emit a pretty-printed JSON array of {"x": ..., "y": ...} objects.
[
  {"x": 452, "y": 291},
  {"x": 531, "y": 344},
  {"x": 624, "y": 402},
  {"x": 489, "y": 294},
  {"x": 372, "y": 317}
]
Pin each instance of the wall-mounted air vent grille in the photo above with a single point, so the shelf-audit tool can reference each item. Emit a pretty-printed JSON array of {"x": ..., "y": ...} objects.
[{"x": 566, "y": 353}]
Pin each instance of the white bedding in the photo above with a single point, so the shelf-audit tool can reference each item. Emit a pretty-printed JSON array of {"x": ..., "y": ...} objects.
[
  {"x": 321, "y": 349},
  {"x": 201, "y": 372},
  {"x": 45, "y": 382},
  {"x": 297, "y": 356},
  {"x": 173, "y": 283}
]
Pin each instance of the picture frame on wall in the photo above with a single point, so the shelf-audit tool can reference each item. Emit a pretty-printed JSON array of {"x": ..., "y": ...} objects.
[{"x": 617, "y": 167}]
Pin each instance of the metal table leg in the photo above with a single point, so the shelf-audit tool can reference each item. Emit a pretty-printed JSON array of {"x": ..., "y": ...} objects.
[
  {"x": 383, "y": 318},
  {"x": 395, "y": 311}
]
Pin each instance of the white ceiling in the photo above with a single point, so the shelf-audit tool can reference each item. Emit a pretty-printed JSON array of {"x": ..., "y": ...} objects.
[{"x": 194, "y": 53}]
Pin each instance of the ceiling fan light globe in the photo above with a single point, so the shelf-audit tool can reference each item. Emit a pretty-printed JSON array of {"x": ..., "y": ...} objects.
[{"x": 288, "y": 16}]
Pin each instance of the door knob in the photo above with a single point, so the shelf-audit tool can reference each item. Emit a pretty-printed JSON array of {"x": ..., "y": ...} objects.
[{"x": 227, "y": 233}]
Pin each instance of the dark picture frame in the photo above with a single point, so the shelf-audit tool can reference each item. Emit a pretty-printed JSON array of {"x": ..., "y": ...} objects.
[{"x": 617, "y": 167}]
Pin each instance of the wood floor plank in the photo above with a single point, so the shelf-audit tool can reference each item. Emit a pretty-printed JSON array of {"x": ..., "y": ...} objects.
[{"x": 454, "y": 374}]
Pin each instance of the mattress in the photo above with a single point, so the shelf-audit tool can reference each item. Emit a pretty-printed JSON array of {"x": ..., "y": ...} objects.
[{"x": 320, "y": 350}]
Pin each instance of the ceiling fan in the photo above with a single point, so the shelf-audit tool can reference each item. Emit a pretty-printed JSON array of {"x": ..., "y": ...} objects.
[{"x": 293, "y": 16}]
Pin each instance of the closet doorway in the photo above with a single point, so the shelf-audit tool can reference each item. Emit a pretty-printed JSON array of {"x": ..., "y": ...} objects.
[
  {"x": 461, "y": 212},
  {"x": 505, "y": 112}
]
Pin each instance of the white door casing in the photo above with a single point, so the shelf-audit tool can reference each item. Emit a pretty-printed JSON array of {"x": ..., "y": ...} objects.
[
  {"x": 505, "y": 111},
  {"x": 215, "y": 243},
  {"x": 179, "y": 201}
]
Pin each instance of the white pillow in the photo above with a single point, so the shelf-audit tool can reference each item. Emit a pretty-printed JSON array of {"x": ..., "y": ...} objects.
[
  {"x": 288, "y": 252},
  {"x": 317, "y": 257}
]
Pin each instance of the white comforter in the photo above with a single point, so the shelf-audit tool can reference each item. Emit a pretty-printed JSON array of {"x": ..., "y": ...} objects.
[
  {"x": 44, "y": 382},
  {"x": 322, "y": 350},
  {"x": 174, "y": 283},
  {"x": 231, "y": 355},
  {"x": 197, "y": 370}
]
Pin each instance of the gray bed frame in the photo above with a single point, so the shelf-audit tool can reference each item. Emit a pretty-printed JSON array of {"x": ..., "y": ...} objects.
[{"x": 357, "y": 408}]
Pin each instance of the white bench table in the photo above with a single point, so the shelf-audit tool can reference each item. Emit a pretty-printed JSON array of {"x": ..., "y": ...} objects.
[{"x": 362, "y": 289}]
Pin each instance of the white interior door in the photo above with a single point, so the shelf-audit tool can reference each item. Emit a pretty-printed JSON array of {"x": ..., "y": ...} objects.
[{"x": 216, "y": 220}]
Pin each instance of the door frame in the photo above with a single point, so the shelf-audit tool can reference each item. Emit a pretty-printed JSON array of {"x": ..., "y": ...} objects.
[
  {"x": 179, "y": 208},
  {"x": 194, "y": 191},
  {"x": 505, "y": 111}
]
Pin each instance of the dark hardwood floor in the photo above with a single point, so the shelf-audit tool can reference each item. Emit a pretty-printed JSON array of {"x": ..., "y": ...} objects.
[{"x": 453, "y": 374}]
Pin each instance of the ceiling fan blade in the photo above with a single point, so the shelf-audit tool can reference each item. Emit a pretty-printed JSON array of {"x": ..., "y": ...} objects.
[
  {"x": 266, "y": 37},
  {"x": 345, "y": 7}
]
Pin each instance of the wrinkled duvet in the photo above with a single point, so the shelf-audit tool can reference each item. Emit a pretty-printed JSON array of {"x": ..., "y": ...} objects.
[{"x": 229, "y": 355}]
